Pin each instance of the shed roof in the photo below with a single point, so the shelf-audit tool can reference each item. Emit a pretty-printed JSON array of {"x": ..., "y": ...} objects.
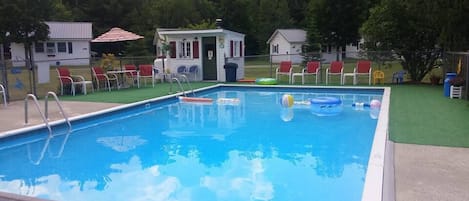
[
  {"x": 204, "y": 32},
  {"x": 70, "y": 30},
  {"x": 291, "y": 35}
]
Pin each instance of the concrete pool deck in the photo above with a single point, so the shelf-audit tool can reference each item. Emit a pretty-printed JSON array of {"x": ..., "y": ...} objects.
[{"x": 427, "y": 173}]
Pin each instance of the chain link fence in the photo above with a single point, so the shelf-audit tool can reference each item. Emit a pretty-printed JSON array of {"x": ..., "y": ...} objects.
[
  {"x": 19, "y": 80},
  {"x": 457, "y": 62}
]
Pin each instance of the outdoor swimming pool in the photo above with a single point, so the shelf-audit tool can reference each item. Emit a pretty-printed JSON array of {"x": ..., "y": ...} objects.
[{"x": 251, "y": 149}]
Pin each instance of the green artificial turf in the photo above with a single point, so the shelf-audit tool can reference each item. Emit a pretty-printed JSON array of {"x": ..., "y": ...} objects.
[
  {"x": 421, "y": 114},
  {"x": 133, "y": 94}
]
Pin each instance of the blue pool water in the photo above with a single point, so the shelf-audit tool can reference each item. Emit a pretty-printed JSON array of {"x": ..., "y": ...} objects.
[{"x": 170, "y": 150}]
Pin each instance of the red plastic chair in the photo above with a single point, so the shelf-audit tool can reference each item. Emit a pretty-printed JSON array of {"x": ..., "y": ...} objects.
[
  {"x": 101, "y": 76},
  {"x": 337, "y": 69},
  {"x": 285, "y": 68},
  {"x": 66, "y": 78},
  {"x": 146, "y": 71},
  {"x": 312, "y": 68},
  {"x": 363, "y": 68},
  {"x": 132, "y": 75}
]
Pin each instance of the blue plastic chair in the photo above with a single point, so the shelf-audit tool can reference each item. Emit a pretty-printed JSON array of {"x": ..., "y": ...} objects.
[
  {"x": 398, "y": 77},
  {"x": 193, "y": 70}
]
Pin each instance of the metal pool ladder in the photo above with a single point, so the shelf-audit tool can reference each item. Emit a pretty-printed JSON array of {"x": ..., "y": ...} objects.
[
  {"x": 184, "y": 78},
  {"x": 46, "y": 108},
  {"x": 44, "y": 117}
]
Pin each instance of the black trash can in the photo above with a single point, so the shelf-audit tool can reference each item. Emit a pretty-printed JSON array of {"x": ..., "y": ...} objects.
[{"x": 230, "y": 71}]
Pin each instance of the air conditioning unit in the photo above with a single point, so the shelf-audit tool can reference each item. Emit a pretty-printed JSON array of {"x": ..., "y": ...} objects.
[{"x": 50, "y": 50}]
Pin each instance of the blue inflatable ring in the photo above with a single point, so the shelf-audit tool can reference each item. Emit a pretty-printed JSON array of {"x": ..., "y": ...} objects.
[
  {"x": 326, "y": 106},
  {"x": 326, "y": 101},
  {"x": 266, "y": 81}
]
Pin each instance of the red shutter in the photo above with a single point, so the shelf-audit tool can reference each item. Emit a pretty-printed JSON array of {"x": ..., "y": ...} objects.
[
  {"x": 195, "y": 49},
  {"x": 240, "y": 48},
  {"x": 231, "y": 48},
  {"x": 172, "y": 49}
]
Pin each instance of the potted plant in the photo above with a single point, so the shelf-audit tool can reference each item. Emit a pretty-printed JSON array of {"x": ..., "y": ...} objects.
[{"x": 457, "y": 81}]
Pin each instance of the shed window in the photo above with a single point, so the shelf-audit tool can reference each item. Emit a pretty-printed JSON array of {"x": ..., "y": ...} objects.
[
  {"x": 236, "y": 48},
  {"x": 184, "y": 50}
]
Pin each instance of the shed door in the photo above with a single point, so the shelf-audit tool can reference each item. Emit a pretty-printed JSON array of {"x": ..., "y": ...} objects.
[{"x": 209, "y": 58}]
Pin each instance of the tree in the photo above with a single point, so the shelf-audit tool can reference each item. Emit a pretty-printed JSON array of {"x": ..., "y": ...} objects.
[
  {"x": 270, "y": 15},
  {"x": 408, "y": 31},
  {"x": 451, "y": 16},
  {"x": 28, "y": 28},
  {"x": 337, "y": 22},
  {"x": 237, "y": 16}
]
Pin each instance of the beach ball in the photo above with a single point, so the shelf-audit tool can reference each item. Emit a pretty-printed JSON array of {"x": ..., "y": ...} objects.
[
  {"x": 375, "y": 103},
  {"x": 374, "y": 113},
  {"x": 287, "y": 100},
  {"x": 287, "y": 114}
]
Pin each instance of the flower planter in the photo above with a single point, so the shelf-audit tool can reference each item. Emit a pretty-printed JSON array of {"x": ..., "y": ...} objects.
[{"x": 456, "y": 92}]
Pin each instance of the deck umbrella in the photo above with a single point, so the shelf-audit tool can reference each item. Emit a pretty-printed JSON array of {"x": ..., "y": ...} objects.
[{"x": 116, "y": 34}]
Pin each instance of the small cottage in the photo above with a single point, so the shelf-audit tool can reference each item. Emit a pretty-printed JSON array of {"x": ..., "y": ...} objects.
[
  {"x": 286, "y": 44},
  {"x": 208, "y": 49},
  {"x": 68, "y": 44}
]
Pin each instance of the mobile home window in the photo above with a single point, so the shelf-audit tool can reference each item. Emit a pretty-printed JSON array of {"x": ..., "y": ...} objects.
[
  {"x": 61, "y": 47},
  {"x": 70, "y": 48},
  {"x": 185, "y": 49},
  {"x": 39, "y": 47},
  {"x": 50, "y": 48}
]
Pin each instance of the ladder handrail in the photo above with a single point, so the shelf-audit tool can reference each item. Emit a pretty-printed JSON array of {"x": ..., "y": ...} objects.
[
  {"x": 180, "y": 86},
  {"x": 41, "y": 155},
  {"x": 46, "y": 108},
  {"x": 4, "y": 93},
  {"x": 188, "y": 84},
  {"x": 38, "y": 109}
]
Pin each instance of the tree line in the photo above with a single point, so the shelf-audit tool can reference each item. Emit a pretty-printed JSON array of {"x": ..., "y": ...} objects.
[{"x": 417, "y": 31}]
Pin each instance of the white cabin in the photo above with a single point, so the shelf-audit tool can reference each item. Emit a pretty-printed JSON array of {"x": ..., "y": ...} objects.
[
  {"x": 68, "y": 44},
  {"x": 287, "y": 45},
  {"x": 209, "y": 49}
]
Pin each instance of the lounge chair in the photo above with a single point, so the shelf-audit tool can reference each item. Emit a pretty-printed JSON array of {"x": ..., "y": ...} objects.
[
  {"x": 285, "y": 68},
  {"x": 363, "y": 68},
  {"x": 146, "y": 71},
  {"x": 312, "y": 68},
  {"x": 398, "y": 76},
  {"x": 132, "y": 75},
  {"x": 337, "y": 69},
  {"x": 378, "y": 76},
  {"x": 66, "y": 78},
  {"x": 181, "y": 70},
  {"x": 101, "y": 76},
  {"x": 193, "y": 70}
]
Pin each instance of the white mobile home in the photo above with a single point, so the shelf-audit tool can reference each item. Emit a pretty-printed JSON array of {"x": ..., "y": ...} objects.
[
  {"x": 286, "y": 44},
  {"x": 209, "y": 49},
  {"x": 68, "y": 44}
]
